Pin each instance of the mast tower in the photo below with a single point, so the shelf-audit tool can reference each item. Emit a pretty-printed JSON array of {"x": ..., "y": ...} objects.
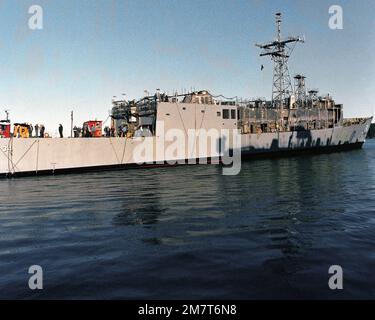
[{"x": 280, "y": 50}]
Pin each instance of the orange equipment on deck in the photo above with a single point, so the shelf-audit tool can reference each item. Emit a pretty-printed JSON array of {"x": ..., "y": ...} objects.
[
  {"x": 4, "y": 129},
  {"x": 94, "y": 127},
  {"x": 21, "y": 130}
]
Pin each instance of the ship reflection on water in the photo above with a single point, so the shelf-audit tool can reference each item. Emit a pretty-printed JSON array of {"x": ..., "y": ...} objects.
[{"x": 189, "y": 232}]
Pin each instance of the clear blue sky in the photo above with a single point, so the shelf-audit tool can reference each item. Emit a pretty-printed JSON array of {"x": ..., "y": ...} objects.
[{"x": 91, "y": 50}]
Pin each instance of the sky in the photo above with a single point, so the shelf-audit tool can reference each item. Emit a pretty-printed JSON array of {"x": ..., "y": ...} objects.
[{"x": 91, "y": 50}]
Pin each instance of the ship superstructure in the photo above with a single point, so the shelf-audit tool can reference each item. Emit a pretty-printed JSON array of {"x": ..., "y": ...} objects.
[{"x": 293, "y": 107}]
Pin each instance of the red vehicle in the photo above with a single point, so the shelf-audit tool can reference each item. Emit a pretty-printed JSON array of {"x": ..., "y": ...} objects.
[
  {"x": 4, "y": 129},
  {"x": 92, "y": 129}
]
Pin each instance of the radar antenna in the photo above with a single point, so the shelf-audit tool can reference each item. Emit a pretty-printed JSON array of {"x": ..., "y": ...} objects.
[{"x": 280, "y": 51}]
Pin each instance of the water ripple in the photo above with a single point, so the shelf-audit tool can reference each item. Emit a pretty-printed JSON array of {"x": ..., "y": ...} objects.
[{"x": 188, "y": 232}]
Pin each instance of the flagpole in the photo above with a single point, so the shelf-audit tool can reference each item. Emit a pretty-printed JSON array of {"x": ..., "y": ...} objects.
[{"x": 71, "y": 124}]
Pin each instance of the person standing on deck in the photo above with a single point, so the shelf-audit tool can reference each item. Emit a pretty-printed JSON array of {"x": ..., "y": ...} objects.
[
  {"x": 61, "y": 131},
  {"x": 124, "y": 130},
  {"x": 42, "y": 129},
  {"x": 36, "y": 130},
  {"x": 30, "y": 130}
]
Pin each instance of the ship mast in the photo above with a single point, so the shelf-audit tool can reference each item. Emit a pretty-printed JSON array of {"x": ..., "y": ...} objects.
[{"x": 280, "y": 50}]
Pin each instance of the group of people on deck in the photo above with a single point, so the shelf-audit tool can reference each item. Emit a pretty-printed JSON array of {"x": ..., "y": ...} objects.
[{"x": 26, "y": 130}]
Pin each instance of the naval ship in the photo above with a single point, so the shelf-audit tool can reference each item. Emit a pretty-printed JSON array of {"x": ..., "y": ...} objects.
[{"x": 199, "y": 127}]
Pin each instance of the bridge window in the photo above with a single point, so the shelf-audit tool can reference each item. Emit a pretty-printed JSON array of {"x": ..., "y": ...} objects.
[{"x": 225, "y": 113}]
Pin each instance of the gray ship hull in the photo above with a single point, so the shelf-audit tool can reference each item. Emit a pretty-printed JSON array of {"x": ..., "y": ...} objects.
[
  {"x": 19, "y": 157},
  {"x": 246, "y": 155}
]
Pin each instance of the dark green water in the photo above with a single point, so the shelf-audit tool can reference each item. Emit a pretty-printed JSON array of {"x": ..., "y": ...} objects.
[{"x": 188, "y": 232}]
